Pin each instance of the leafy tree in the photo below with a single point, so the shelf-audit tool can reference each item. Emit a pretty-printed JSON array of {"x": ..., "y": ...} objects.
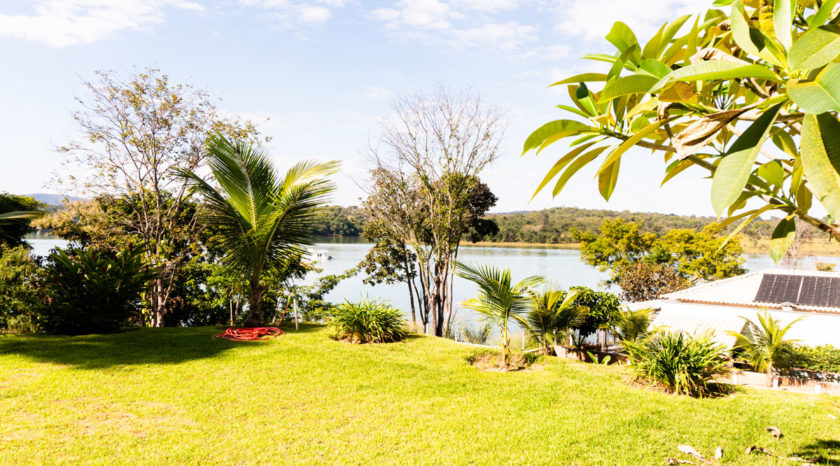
[
  {"x": 764, "y": 345},
  {"x": 602, "y": 311},
  {"x": 643, "y": 281},
  {"x": 262, "y": 218},
  {"x": 499, "y": 299},
  {"x": 135, "y": 134},
  {"x": 16, "y": 214},
  {"x": 646, "y": 265},
  {"x": 90, "y": 291},
  {"x": 750, "y": 96},
  {"x": 19, "y": 293},
  {"x": 552, "y": 313},
  {"x": 426, "y": 192}
]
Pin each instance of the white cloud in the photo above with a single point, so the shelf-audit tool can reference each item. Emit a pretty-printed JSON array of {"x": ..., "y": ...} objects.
[
  {"x": 61, "y": 23},
  {"x": 290, "y": 13},
  {"x": 460, "y": 23},
  {"x": 592, "y": 20}
]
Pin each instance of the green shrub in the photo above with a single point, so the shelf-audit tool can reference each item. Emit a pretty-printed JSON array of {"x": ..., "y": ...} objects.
[
  {"x": 91, "y": 292},
  {"x": 823, "y": 358},
  {"x": 479, "y": 335},
  {"x": 369, "y": 321},
  {"x": 19, "y": 293},
  {"x": 679, "y": 363}
]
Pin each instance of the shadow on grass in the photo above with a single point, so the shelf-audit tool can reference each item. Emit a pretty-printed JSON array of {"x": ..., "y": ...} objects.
[
  {"x": 821, "y": 452},
  {"x": 144, "y": 346}
]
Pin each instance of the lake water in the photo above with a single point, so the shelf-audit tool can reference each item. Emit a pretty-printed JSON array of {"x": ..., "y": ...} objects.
[{"x": 560, "y": 266}]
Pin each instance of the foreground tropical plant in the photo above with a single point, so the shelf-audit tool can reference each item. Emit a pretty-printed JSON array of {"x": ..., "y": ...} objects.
[
  {"x": 678, "y": 363},
  {"x": 633, "y": 325},
  {"x": 713, "y": 97},
  {"x": 262, "y": 218},
  {"x": 477, "y": 336},
  {"x": 92, "y": 292},
  {"x": 369, "y": 321},
  {"x": 499, "y": 299},
  {"x": 553, "y": 312},
  {"x": 764, "y": 345}
]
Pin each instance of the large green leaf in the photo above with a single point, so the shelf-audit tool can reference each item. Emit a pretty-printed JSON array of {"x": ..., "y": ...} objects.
[
  {"x": 783, "y": 21},
  {"x": 783, "y": 236},
  {"x": 622, "y": 37},
  {"x": 632, "y": 141},
  {"x": 560, "y": 164},
  {"x": 633, "y": 84},
  {"x": 607, "y": 179},
  {"x": 734, "y": 170},
  {"x": 819, "y": 95},
  {"x": 817, "y": 47},
  {"x": 823, "y": 14},
  {"x": 553, "y": 129},
  {"x": 821, "y": 159},
  {"x": 575, "y": 166},
  {"x": 741, "y": 29},
  {"x": 582, "y": 78},
  {"x": 716, "y": 70}
]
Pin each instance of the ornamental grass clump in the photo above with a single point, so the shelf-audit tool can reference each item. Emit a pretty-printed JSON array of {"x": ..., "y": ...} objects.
[
  {"x": 369, "y": 321},
  {"x": 678, "y": 363}
]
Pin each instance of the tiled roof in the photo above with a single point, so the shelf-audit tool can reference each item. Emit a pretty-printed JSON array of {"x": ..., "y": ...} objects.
[{"x": 742, "y": 290}]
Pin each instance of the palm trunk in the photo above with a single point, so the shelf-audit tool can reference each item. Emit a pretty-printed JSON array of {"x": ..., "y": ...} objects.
[
  {"x": 255, "y": 317},
  {"x": 504, "y": 346}
]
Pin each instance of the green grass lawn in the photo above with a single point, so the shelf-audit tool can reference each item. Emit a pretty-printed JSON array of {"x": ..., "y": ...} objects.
[{"x": 178, "y": 396}]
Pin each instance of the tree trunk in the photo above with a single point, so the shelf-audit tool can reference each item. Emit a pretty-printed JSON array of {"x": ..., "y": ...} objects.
[
  {"x": 255, "y": 317},
  {"x": 158, "y": 307},
  {"x": 504, "y": 363}
]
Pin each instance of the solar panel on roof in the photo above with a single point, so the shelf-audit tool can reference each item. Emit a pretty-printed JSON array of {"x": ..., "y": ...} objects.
[{"x": 804, "y": 290}]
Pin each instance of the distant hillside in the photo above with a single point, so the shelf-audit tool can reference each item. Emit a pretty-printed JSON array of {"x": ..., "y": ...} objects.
[
  {"x": 549, "y": 226},
  {"x": 51, "y": 199}
]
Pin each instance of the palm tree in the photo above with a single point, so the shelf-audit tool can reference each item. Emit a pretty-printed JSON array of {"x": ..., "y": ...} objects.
[
  {"x": 264, "y": 219},
  {"x": 552, "y": 312},
  {"x": 764, "y": 344},
  {"x": 499, "y": 300},
  {"x": 633, "y": 324}
]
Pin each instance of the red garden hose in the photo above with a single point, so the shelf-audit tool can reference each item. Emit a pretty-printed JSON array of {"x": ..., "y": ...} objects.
[{"x": 249, "y": 333}]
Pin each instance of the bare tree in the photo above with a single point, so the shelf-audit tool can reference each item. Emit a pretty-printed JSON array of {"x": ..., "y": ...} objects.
[
  {"x": 426, "y": 187},
  {"x": 136, "y": 132}
]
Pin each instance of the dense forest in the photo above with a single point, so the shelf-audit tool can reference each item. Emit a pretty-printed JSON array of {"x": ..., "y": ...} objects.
[{"x": 549, "y": 226}]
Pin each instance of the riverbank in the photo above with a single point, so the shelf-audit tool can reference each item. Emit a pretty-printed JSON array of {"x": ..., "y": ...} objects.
[{"x": 815, "y": 248}]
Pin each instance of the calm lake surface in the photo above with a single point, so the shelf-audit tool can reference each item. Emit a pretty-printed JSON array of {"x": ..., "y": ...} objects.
[{"x": 560, "y": 266}]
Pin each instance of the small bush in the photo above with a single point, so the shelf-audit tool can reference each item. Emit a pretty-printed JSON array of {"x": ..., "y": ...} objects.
[
  {"x": 19, "y": 293},
  {"x": 823, "y": 358},
  {"x": 369, "y": 321},
  {"x": 91, "y": 292},
  {"x": 477, "y": 336},
  {"x": 679, "y": 363}
]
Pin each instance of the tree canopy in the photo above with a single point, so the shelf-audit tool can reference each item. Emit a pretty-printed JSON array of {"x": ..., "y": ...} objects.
[{"x": 750, "y": 95}]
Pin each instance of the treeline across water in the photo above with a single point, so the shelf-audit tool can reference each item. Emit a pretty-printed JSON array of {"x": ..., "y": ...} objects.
[{"x": 549, "y": 226}]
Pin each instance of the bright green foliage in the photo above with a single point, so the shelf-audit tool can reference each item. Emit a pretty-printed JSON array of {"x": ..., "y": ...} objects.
[
  {"x": 750, "y": 94},
  {"x": 262, "y": 218},
  {"x": 678, "y": 363},
  {"x": 18, "y": 289},
  {"x": 633, "y": 324},
  {"x": 764, "y": 345},
  {"x": 553, "y": 312},
  {"x": 477, "y": 336},
  {"x": 368, "y": 321},
  {"x": 602, "y": 310},
  {"x": 499, "y": 299},
  {"x": 691, "y": 255},
  {"x": 824, "y": 358},
  {"x": 91, "y": 292},
  {"x": 175, "y": 396}
]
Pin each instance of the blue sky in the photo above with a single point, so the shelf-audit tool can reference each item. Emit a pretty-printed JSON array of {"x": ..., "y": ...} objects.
[{"x": 324, "y": 72}]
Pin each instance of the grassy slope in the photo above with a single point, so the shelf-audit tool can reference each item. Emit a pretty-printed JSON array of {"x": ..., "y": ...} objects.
[{"x": 175, "y": 395}]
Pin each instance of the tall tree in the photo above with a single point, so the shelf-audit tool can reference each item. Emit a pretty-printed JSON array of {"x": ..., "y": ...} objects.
[
  {"x": 262, "y": 218},
  {"x": 749, "y": 94},
  {"x": 425, "y": 188},
  {"x": 135, "y": 133},
  {"x": 16, "y": 215}
]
